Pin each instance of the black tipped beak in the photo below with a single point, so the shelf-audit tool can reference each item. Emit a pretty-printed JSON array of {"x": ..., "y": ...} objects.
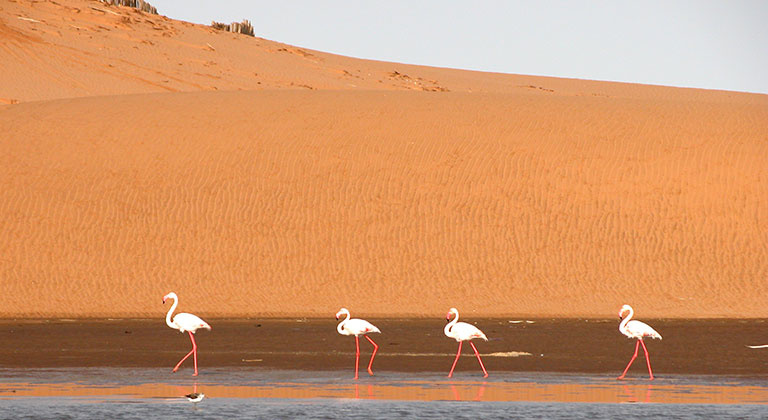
[{"x": 447, "y": 320}]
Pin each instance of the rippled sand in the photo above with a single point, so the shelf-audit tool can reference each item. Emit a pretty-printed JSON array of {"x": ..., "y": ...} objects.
[{"x": 141, "y": 155}]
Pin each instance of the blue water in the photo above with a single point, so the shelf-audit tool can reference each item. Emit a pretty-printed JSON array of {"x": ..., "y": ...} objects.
[
  {"x": 123, "y": 393},
  {"x": 235, "y": 408}
]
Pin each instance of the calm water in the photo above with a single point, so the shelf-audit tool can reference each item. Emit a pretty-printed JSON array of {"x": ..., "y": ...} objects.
[
  {"x": 124, "y": 393},
  {"x": 74, "y": 408}
]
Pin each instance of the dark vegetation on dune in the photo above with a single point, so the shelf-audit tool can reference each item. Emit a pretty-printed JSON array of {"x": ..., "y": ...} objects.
[
  {"x": 243, "y": 27},
  {"x": 136, "y": 4}
]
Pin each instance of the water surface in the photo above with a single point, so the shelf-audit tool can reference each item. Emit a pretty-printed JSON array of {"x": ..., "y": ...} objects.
[{"x": 259, "y": 393}]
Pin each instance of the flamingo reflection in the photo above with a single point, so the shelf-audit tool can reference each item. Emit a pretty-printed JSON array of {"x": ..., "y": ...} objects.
[{"x": 478, "y": 396}]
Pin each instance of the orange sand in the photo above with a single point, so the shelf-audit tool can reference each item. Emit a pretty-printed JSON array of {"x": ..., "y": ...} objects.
[{"x": 141, "y": 155}]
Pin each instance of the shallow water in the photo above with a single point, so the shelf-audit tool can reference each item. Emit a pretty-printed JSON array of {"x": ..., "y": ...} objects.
[
  {"x": 328, "y": 409},
  {"x": 127, "y": 393}
]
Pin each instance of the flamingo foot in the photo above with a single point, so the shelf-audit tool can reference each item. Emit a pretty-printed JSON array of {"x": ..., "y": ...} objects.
[
  {"x": 485, "y": 376},
  {"x": 370, "y": 372}
]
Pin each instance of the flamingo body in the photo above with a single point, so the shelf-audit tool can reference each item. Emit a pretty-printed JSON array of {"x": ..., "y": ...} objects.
[
  {"x": 357, "y": 327},
  {"x": 188, "y": 322},
  {"x": 461, "y": 331},
  {"x": 184, "y": 322},
  {"x": 637, "y": 330}
]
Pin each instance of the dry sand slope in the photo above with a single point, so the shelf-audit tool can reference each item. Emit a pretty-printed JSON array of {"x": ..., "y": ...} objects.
[
  {"x": 396, "y": 203},
  {"x": 73, "y": 48},
  {"x": 271, "y": 181}
]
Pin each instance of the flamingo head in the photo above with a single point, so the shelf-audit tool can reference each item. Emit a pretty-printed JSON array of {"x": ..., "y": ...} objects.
[
  {"x": 451, "y": 311},
  {"x": 624, "y": 311},
  {"x": 171, "y": 295},
  {"x": 342, "y": 311}
]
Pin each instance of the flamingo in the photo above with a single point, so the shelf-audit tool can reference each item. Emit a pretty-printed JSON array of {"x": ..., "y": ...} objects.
[
  {"x": 357, "y": 327},
  {"x": 764, "y": 346},
  {"x": 638, "y": 330},
  {"x": 461, "y": 331},
  {"x": 184, "y": 322}
]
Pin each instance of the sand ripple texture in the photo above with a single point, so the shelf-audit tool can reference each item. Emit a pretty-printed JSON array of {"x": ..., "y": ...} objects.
[{"x": 400, "y": 203}]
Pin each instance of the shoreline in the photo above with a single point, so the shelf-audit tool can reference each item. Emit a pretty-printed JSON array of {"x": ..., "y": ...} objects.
[{"x": 405, "y": 345}]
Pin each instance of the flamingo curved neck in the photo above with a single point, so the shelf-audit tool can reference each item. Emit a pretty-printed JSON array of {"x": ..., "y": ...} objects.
[
  {"x": 340, "y": 327},
  {"x": 448, "y": 326},
  {"x": 170, "y": 311},
  {"x": 623, "y": 324}
]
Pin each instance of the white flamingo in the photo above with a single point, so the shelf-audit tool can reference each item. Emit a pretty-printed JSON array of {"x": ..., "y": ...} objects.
[
  {"x": 184, "y": 322},
  {"x": 461, "y": 331},
  {"x": 357, "y": 327},
  {"x": 764, "y": 346},
  {"x": 638, "y": 330}
]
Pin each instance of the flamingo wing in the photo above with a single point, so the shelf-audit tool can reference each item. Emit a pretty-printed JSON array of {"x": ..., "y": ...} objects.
[
  {"x": 189, "y": 322},
  {"x": 637, "y": 329},
  {"x": 463, "y": 331},
  {"x": 360, "y": 326}
]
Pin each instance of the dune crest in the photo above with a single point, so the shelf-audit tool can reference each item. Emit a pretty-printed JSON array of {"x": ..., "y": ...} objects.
[{"x": 75, "y": 48}]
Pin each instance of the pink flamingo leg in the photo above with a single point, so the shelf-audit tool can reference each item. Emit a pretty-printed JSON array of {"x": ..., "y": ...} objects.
[
  {"x": 637, "y": 347},
  {"x": 357, "y": 355},
  {"x": 647, "y": 360},
  {"x": 194, "y": 347},
  {"x": 375, "y": 348},
  {"x": 191, "y": 352},
  {"x": 485, "y": 373},
  {"x": 458, "y": 353}
]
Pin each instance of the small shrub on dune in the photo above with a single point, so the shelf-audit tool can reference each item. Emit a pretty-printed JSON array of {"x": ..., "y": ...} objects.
[
  {"x": 243, "y": 27},
  {"x": 136, "y": 4}
]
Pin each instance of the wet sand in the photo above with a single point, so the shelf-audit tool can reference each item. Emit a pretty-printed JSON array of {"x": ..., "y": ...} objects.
[
  {"x": 300, "y": 368},
  {"x": 709, "y": 347}
]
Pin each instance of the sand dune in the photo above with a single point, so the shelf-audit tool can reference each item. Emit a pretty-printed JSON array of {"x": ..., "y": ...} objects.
[
  {"x": 404, "y": 203},
  {"x": 147, "y": 155},
  {"x": 73, "y": 48}
]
